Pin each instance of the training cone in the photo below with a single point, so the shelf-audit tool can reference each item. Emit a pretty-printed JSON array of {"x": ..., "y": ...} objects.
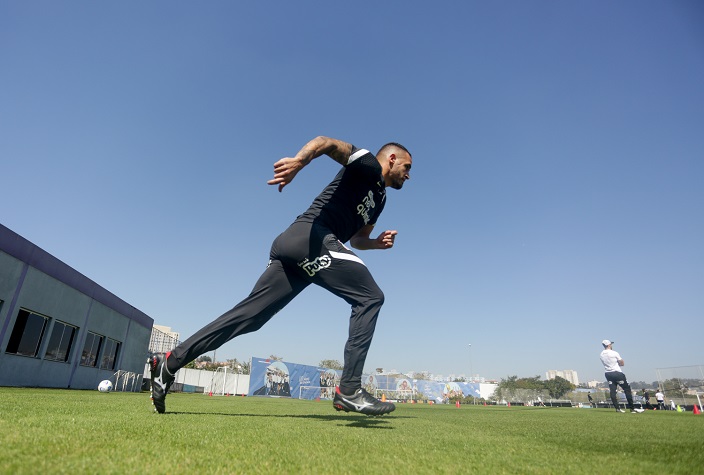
[
  {"x": 457, "y": 403},
  {"x": 383, "y": 398},
  {"x": 696, "y": 410},
  {"x": 485, "y": 403},
  {"x": 509, "y": 404}
]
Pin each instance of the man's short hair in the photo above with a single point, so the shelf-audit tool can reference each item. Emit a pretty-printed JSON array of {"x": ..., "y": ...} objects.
[{"x": 393, "y": 145}]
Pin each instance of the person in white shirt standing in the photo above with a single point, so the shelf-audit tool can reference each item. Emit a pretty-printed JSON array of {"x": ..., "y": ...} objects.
[{"x": 612, "y": 362}]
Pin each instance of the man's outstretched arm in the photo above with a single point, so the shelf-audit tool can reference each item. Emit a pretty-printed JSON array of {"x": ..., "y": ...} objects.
[
  {"x": 287, "y": 168},
  {"x": 363, "y": 241}
]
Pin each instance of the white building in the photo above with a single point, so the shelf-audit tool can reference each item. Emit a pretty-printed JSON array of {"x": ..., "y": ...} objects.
[
  {"x": 163, "y": 339},
  {"x": 568, "y": 374}
]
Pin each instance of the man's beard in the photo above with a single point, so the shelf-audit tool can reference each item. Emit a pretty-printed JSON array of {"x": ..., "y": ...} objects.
[{"x": 397, "y": 184}]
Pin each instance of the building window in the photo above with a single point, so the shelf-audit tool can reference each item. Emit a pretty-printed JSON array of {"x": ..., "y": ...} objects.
[
  {"x": 109, "y": 354},
  {"x": 60, "y": 342},
  {"x": 27, "y": 334},
  {"x": 89, "y": 357}
]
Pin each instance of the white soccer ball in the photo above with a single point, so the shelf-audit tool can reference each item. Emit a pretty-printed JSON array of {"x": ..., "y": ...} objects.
[{"x": 105, "y": 386}]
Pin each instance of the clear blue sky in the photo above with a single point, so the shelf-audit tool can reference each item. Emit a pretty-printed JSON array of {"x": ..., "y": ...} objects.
[{"x": 556, "y": 199}]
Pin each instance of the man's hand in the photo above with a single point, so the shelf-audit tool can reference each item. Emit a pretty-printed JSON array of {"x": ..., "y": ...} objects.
[
  {"x": 386, "y": 239},
  {"x": 363, "y": 242},
  {"x": 285, "y": 170}
]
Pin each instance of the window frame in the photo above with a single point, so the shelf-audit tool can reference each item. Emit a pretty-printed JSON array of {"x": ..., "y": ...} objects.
[
  {"x": 48, "y": 355},
  {"x": 17, "y": 342},
  {"x": 111, "y": 349},
  {"x": 91, "y": 359}
]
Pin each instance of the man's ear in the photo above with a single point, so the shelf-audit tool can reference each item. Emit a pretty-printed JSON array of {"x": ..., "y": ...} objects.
[{"x": 392, "y": 159}]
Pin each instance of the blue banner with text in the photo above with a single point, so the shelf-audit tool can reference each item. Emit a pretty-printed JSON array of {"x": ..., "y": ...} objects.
[{"x": 275, "y": 378}]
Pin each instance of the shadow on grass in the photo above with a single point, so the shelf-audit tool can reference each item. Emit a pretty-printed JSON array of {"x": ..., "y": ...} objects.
[{"x": 357, "y": 420}]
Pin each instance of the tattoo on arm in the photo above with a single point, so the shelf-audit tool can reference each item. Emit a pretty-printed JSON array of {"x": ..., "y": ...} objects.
[
  {"x": 341, "y": 153},
  {"x": 336, "y": 149}
]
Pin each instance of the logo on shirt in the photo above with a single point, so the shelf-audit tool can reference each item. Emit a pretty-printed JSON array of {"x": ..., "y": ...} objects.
[
  {"x": 363, "y": 209},
  {"x": 318, "y": 264}
]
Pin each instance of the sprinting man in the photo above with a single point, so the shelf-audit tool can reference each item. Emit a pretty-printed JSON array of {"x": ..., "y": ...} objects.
[
  {"x": 312, "y": 251},
  {"x": 612, "y": 367}
]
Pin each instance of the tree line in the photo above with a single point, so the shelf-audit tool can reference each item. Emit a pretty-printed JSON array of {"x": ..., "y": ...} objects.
[{"x": 514, "y": 388}]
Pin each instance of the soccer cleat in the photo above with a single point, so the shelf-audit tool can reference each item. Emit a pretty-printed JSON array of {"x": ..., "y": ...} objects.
[
  {"x": 361, "y": 401},
  {"x": 637, "y": 411},
  {"x": 620, "y": 410},
  {"x": 161, "y": 381}
]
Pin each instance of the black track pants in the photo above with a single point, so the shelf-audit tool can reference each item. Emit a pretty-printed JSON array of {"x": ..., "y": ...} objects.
[
  {"x": 617, "y": 378},
  {"x": 303, "y": 254}
]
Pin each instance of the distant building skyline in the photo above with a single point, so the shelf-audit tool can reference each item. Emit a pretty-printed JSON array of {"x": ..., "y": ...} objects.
[{"x": 568, "y": 374}]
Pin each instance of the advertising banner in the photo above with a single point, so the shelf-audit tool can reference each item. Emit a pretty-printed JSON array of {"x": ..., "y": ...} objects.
[{"x": 283, "y": 379}]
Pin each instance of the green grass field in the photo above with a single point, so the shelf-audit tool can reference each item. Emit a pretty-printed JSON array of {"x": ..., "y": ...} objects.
[{"x": 61, "y": 431}]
